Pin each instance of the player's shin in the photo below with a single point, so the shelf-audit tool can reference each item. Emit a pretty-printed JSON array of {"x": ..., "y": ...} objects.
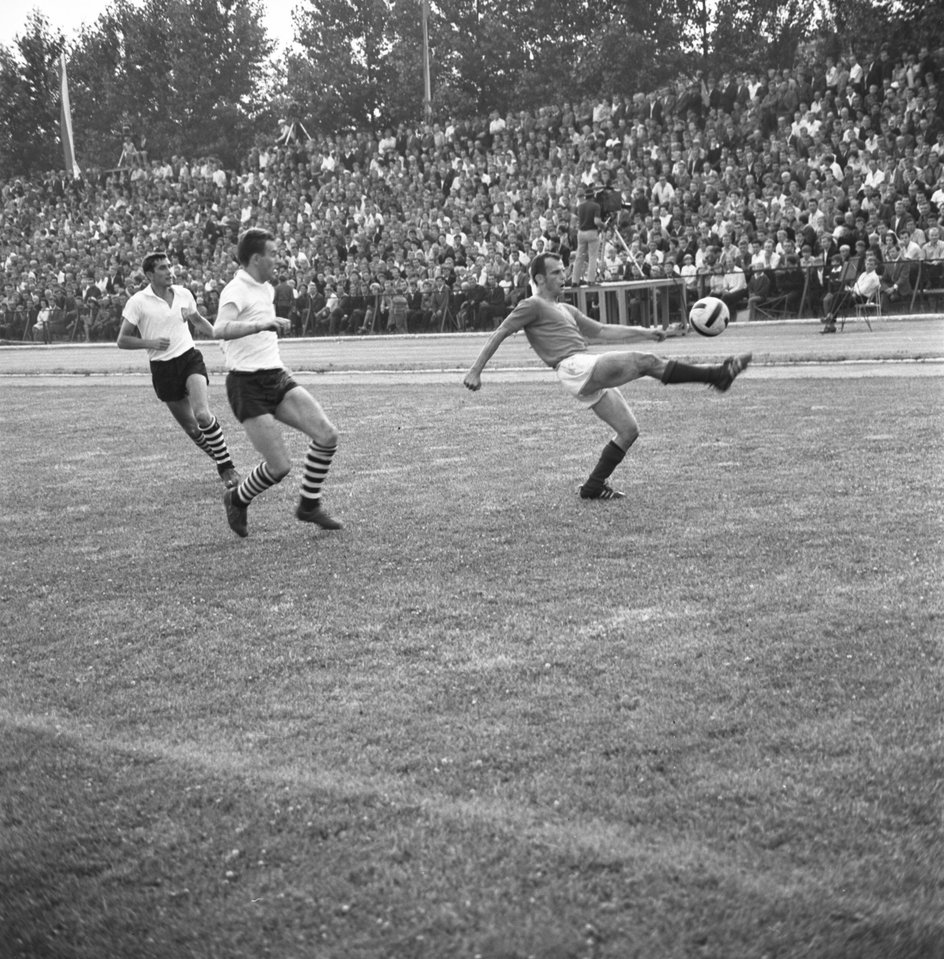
[
  {"x": 610, "y": 458},
  {"x": 677, "y": 372}
]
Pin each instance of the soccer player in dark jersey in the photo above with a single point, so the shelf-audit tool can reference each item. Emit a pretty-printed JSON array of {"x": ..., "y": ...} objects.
[{"x": 559, "y": 333}]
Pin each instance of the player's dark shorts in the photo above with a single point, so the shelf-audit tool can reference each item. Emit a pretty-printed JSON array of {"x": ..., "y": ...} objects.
[
  {"x": 170, "y": 376},
  {"x": 257, "y": 393}
]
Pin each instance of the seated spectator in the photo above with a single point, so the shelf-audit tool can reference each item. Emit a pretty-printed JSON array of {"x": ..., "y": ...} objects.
[
  {"x": 309, "y": 304},
  {"x": 933, "y": 256},
  {"x": 322, "y": 316},
  {"x": 812, "y": 266},
  {"x": 495, "y": 307},
  {"x": 440, "y": 303},
  {"x": 791, "y": 283},
  {"x": 733, "y": 285},
  {"x": 42, "y": 327},
  {"x": 398, "y": 310},
  {"x": 766, "y": 259},
  {"x": 868, "y": 284},
  {"x": 357, "y": 307},
  {"x": 416, "y": 318},
  {"x": 689, "y": 275},
  {"x": 373, "y": 310},
  {"x": 896, "y": 274}
]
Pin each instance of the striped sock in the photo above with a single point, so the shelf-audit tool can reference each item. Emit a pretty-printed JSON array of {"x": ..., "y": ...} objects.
[
  {"x": 258, "y": 481},
  {"x": 317, "y": 462},
  {"x": 203, "y": 444},
  {"x": 216, "y": 445}
]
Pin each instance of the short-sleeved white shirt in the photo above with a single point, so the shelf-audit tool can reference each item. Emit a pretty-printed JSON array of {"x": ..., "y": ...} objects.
[
  {"x": 254, "y": 302},
  {"x": 154, "y": 319}
]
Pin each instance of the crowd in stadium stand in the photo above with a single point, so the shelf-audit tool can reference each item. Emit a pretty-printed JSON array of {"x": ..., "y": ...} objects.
[{"x": 766, "y": 190}]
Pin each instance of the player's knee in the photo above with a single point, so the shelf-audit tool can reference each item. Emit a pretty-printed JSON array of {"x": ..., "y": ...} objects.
[
  {"x": 328, "y": 436},
  {"x": 279, "y": 469},
  {"x": 650, "y": 364},
  {"x": 204, "y": 419},
  {"x": 627, "y": 435}
]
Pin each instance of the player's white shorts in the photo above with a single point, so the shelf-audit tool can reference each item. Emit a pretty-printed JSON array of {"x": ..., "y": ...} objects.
[{"x": 573, "y": 374}]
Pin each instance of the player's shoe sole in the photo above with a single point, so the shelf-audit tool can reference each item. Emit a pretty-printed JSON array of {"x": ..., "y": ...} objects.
[
  {"x": 605, "y": 492},
  {"x": 236, "y": 516},
  {"x": 316, "y": 515},
  {"x": 731, "y": 369}
]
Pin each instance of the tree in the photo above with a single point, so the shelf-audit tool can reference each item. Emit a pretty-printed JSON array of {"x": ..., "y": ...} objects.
[
  {"x": 29, "y": 100},
  {"x": 188, "y": 76},
  {"x": 342, "y": 74},
  {"x": 758, "y": 34}
]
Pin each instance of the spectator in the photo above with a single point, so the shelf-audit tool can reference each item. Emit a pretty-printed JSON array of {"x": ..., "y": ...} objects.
[
  {"x": 867, "y": 285},
  {"x": 346, "y": 205},
  {"x": 896, "y": 274}
]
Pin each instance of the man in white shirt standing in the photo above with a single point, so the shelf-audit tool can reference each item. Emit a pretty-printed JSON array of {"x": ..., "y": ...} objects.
[
  {"x": 261, "y": 391},
  {"x": 157, "y": 319}
]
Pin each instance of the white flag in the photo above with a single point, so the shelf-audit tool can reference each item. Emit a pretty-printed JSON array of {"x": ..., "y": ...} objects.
[{"x": 65, "y": 124}]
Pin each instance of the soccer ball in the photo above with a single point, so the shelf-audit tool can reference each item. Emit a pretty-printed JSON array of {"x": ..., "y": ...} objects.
[{"x": 709, "y": 316}]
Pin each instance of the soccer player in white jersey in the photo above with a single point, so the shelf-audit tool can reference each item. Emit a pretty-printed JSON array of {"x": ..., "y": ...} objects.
[
  {"x": 157, "y": 319},
  {"x": 262, "y": 392},
  {"x": 559, "y": 333}
]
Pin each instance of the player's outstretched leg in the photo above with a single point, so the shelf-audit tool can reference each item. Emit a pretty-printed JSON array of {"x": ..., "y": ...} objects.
[
  {"x": 720, "y": 377},
  {"x": 731, "y": 368}
]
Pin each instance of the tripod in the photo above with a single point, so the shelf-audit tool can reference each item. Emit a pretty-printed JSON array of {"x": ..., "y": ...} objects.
[{"x": 290, "y": 131}]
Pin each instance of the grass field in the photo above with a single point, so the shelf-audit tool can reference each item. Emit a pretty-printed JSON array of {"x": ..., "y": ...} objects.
[{"x": 485, "y": 719}]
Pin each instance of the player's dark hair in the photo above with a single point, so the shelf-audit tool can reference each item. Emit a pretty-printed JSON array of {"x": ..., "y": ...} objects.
[
  {"x": 539, "y": 264},
  {"x": 151, "y": 260},
  {"x": 251, "y": 242}
]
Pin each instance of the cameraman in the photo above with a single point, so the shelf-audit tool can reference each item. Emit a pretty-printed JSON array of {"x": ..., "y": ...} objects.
[{"x": 589, "y": 224}]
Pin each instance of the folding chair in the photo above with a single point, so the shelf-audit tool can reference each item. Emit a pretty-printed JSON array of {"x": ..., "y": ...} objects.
[
  {"x": 769, "y": 308},
  {"x": 863, "y": 310}
]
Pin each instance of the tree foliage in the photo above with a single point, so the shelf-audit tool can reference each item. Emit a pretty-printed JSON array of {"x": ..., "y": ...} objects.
[
  {"x": 340, "y": 71},
  {"x": 194, "y": 78},
  {"x": 360, "y": 63},
  {"x": 29, "y": 99},
  {"x": 187, "y": 75}
]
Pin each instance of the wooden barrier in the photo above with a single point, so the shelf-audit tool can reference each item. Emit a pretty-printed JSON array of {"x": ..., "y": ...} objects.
[{"x": 654, "y": 296}]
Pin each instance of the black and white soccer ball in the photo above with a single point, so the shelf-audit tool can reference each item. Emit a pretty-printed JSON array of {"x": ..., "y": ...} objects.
[{"x": 709, "y": 316}]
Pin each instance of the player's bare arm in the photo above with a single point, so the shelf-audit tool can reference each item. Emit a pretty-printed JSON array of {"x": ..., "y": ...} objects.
[
  {"x": 129, "y": 338},
  {"x": 473, "y": 379},
  {"x": 635, "y": 334},
  {"x": 199, "y": 322},
  {"x": 227, "y": 327},
  {"x": 595, "y": 332}
]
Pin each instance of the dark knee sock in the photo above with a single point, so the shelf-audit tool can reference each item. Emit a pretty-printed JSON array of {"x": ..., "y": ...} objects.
[
  {"x": 676, "y": 372},
  {"x": 610, "y": 458}
]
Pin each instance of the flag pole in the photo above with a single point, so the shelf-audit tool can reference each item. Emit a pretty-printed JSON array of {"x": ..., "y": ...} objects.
[
  {"x": 427, "y": 85},
  {"x": 65, "y": 126}
]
